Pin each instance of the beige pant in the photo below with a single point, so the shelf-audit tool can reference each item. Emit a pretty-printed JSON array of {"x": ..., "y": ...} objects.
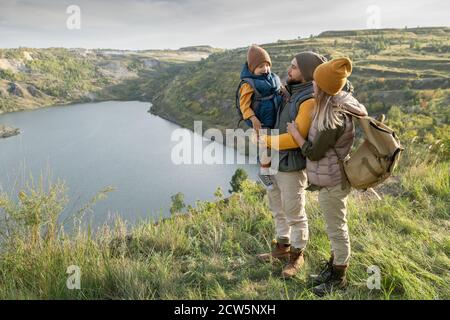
[
  {"x": 287, "y": 203},
  {"x": 333, "y": 203}
]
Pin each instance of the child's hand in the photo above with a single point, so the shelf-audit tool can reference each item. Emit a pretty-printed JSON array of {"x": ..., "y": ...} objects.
[
  {"x": 262, "y": 142},
  {"x": 292, "y": 128},
  {"x": 255, "y": 123},
  {"x": 254, "y": 138},
  {"x": 258, "y": 140}
]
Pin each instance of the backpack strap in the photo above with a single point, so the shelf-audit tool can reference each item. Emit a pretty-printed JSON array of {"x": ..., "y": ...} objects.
[
  {"x": 341, "y": 109},
  {"x": 251, "y": 82},
  {"x": 344, "y": 179},
  {"x": 256, "y": 97}
]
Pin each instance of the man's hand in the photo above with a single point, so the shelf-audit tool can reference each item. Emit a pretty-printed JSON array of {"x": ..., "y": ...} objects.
[{"x": 255, "y": 123}]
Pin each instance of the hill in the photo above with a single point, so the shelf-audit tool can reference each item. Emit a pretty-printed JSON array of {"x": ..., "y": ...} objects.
[
  {"x": 32, "y": 78},
  {"x": 404, "y": 72},
  {"x": 397, "y": 70}
]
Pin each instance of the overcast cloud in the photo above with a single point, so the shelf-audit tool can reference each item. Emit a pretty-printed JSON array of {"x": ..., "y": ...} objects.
[{"x": 151, "y": 24}]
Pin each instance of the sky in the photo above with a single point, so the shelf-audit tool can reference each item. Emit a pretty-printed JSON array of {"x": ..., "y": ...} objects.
[{"x": 157, "y": 24}]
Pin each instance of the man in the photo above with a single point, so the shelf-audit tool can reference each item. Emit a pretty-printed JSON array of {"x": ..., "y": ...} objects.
[{"x": 287, "y": 198}]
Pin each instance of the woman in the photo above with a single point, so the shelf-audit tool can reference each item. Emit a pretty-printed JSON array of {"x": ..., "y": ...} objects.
[{"x": 329, "y": 141}]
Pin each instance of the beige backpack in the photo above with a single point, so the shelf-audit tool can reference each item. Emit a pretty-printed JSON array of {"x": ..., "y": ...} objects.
[{"x": 375, "y": 159}]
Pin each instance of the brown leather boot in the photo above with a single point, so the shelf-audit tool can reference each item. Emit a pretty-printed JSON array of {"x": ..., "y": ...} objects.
[
  {"x": 279, "y": 251},
  {"x": 296, "y": 261}
]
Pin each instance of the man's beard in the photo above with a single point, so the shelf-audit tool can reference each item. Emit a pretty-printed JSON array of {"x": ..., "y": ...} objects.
[{"x": 291, "y": 82}]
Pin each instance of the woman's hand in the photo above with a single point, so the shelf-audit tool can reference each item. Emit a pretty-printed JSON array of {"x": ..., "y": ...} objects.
[{"x": 292, "y": 128}]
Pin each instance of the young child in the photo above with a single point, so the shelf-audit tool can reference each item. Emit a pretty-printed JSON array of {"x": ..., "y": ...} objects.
[{"x": 258, "y": 99}]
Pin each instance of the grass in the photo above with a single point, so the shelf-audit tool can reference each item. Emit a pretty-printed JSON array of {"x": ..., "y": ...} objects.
[{"x": 208, "y": 252}]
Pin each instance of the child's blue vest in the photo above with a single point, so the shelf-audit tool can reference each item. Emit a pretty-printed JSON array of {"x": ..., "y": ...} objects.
[{"x": 266, "y": 97}]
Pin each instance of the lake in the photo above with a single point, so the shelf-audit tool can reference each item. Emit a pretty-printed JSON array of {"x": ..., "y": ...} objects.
[{"x": 91, "y": 146}]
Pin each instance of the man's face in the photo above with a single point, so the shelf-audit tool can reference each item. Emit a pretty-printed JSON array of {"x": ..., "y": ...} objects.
[{"x": 294, "y": 73}]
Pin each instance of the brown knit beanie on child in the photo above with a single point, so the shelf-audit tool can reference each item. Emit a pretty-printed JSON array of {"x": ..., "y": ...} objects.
[{"x": 255, "y": 56}]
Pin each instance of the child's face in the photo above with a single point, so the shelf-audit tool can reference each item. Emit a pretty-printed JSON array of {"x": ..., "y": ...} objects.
[{"x": 262, "y": 69}]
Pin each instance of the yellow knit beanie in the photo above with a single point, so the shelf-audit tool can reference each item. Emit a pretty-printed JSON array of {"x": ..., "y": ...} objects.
[
  {"x": 331, "y": 76},
  {"x": 255, "y": 56}
]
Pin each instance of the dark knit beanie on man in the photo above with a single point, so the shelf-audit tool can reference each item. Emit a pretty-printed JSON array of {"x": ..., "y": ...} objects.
[{"x": 308, "y": 62}]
